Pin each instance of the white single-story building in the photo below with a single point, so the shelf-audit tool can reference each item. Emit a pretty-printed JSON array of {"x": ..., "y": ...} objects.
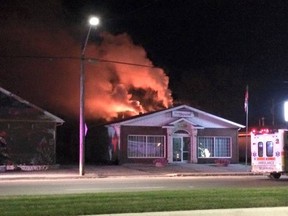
[{"x": 180, "y": 134}]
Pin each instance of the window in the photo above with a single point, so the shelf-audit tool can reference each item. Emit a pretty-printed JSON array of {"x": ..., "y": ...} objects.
[
  {"x": 260, "y": 149},
  {"x": 140, "y": 146},
  {"x": 212, "y": 147},
  {"x": 269, "y": 149}
]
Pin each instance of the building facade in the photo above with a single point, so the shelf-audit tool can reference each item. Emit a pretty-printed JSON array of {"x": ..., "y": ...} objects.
[
  {"x": 179, "y": 134},
  {"x": 27, "y": 132}
]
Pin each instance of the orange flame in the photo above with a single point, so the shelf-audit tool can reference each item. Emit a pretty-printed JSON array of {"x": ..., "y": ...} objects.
[
  {"x": 111, "y": 88},
  {"x": 114, "y": 88}
]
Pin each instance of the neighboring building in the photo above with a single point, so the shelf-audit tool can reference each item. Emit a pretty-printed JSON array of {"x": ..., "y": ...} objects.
[
  {"x": 244, "y": 144},
  {"x": 179, "y": 134},
  {"x": 27, "y": 131}
]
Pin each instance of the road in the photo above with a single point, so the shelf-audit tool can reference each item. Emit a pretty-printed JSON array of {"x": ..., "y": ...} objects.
[{"x": 96, "y": 185}]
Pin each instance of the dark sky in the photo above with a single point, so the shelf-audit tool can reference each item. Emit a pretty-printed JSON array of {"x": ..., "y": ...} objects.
[{"x": 209, "y": 49}]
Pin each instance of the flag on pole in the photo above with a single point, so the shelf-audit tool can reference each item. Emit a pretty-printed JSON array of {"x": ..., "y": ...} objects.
[{"x": 246, "y": 99}]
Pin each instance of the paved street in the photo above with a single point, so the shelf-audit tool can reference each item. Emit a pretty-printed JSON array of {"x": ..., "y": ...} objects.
[{"x": 132, "y": 184}]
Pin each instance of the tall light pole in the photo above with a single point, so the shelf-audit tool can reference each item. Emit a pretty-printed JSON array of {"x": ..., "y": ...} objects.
[
  {"x": 286, "y": 113},
  {"x": 93, "y": 21}
]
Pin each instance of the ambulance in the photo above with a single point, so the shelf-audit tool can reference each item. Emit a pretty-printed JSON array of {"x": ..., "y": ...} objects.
[{"x": 269, "y": 152}]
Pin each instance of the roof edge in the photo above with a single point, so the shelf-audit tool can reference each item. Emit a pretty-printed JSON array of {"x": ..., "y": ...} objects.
[{"x": 57, "y": 119}]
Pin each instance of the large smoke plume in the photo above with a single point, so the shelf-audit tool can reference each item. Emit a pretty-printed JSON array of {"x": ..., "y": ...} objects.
[{"x": 53, "y": 83}]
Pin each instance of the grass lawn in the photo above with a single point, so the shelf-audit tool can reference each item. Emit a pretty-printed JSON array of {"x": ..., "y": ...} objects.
[{"x": 106, "y": 203}]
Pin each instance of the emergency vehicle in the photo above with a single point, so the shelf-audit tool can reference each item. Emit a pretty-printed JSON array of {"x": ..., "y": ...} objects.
[{"x": 269, "y": 152}]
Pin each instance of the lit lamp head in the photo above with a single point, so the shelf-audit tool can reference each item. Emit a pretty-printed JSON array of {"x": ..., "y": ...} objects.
[{"x": 94, "y": 21}]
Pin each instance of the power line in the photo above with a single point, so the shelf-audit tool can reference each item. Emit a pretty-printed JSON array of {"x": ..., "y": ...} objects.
[{"x": 51, "y": 58}]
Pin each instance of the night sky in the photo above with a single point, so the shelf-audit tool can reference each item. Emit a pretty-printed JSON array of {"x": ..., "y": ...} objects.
[{"x": 209, "y": 49}]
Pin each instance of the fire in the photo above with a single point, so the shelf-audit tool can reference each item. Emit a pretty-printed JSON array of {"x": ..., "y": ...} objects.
[
  {"x": 114, "y": 88},
  {"x": 111, "y": 89}
]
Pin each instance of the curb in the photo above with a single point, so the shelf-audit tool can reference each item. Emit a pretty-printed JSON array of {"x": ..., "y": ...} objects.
[
  {"x": 35, "y": 176},
  {"x": 214, "y": 174},
  {"x": 127, "y": 171}
]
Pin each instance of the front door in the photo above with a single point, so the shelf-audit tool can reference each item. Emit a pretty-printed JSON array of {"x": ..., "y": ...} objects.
[{"x": 181, "y": 148}]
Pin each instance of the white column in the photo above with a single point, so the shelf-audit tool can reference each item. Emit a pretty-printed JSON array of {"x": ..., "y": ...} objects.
[
  {"x": 169, "y": 145},
  {"x": 194, "y": 146}
]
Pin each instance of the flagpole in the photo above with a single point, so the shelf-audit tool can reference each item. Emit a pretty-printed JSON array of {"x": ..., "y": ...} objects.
[
  {"x": 246, "y": 139},
  {"x": 246, "y": 160}
]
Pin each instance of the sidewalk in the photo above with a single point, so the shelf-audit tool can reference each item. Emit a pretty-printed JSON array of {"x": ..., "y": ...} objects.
[
  {"x": 129, "y": 170},
  {"x": 279, "y": 211}
]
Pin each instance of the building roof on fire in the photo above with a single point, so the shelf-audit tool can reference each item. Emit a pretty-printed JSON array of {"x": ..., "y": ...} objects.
[
  {"x": 182, "y": 113},
  {"x": 14, "y": 108}
]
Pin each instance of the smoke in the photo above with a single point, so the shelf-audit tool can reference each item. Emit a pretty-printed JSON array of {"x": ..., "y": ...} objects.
[
  {"x": 53, "y": 83},
  {"x": 114, "y": 87}
]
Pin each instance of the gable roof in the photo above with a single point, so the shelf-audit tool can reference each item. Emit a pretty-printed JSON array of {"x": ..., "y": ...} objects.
[
  {"x": 14, "y": 108},
  {"x": 169, "y": 117}
]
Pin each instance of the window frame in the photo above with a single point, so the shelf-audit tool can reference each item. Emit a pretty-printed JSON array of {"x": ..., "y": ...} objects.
[
  {"x": 260, "y": 146},
  {"x": 269, "y": 151},
  {"x": 146, "y": 155},
  {"x": 214, "y": 146}
]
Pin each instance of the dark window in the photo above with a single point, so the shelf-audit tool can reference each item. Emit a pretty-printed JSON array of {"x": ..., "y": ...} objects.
[
  {"x": 260, "y": 149},
  {"x": 269, "y": 149}
]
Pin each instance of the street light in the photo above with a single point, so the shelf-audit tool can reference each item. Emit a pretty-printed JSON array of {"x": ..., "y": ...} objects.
[
  {"x": 93, "y": 21},
  {"x": 286, "y": 111}
]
